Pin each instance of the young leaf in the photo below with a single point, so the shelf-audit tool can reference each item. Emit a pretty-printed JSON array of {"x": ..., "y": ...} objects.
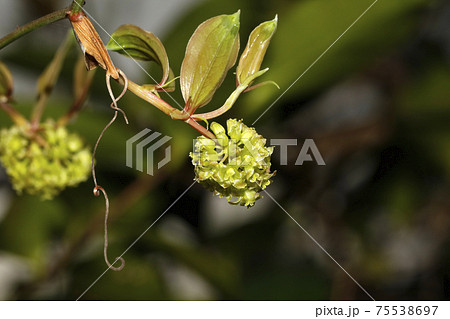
[
  {"x": 210, "y": 53},
  {"x": 253, "y": 55},
  {"x": 131, "y": 41},
  {"x": 6, "y": 83}
]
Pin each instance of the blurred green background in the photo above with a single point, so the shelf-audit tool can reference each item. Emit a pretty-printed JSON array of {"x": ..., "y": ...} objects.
[{"x": 377, "y": 105}]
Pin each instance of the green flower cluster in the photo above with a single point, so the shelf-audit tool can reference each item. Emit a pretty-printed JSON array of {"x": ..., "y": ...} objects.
[
  {"x": 46, "y": 162},
  {"x": 236, "y": 165}
]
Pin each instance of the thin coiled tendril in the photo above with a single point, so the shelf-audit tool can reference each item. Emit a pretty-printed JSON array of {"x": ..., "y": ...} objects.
[{"x": 97, "y": 188}]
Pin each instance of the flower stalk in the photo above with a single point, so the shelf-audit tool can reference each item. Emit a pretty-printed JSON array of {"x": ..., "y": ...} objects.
[{"x": 165, "y": 107}]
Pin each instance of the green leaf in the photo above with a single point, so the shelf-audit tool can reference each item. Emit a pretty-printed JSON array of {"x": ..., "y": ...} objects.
[
  {"x": 6, "y": 83},
  {"x": 253, "y": 55},
  {"x": 136, "y": 43},
  {"x": 210, "y": 53}
]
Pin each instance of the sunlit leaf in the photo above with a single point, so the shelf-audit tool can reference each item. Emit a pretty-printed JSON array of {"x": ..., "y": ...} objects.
[
  {"x": 136, "y": 43},
  {"x": 210, "y": 53},
  {"x": 253, "y": 55}
]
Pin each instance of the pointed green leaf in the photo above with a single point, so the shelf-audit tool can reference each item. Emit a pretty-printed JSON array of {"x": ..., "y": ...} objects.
[
  {"x": 253, "y": 55},
  {"x": 136, "y": 43},
  {"x": 6, "y": 83},
  {"x": 210, "y": 53}
]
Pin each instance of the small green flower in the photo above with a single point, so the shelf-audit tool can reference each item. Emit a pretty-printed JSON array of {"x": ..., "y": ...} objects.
[
  {"x": 236, "y": 165},
  {"x": 46, "y": 163}
]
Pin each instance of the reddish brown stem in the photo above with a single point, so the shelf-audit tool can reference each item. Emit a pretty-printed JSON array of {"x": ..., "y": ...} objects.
[
  {"x": 202, "y": 130},
  {"x": 162, "y": 105}
]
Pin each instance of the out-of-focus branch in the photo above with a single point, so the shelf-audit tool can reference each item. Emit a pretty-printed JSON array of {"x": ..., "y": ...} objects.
[
  {"x": 128, "y": 197},
  {"x": 33, "y": 25}
]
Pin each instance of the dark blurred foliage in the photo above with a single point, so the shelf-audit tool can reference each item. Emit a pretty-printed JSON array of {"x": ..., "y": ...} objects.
[{"x": 377, "y": 104}]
